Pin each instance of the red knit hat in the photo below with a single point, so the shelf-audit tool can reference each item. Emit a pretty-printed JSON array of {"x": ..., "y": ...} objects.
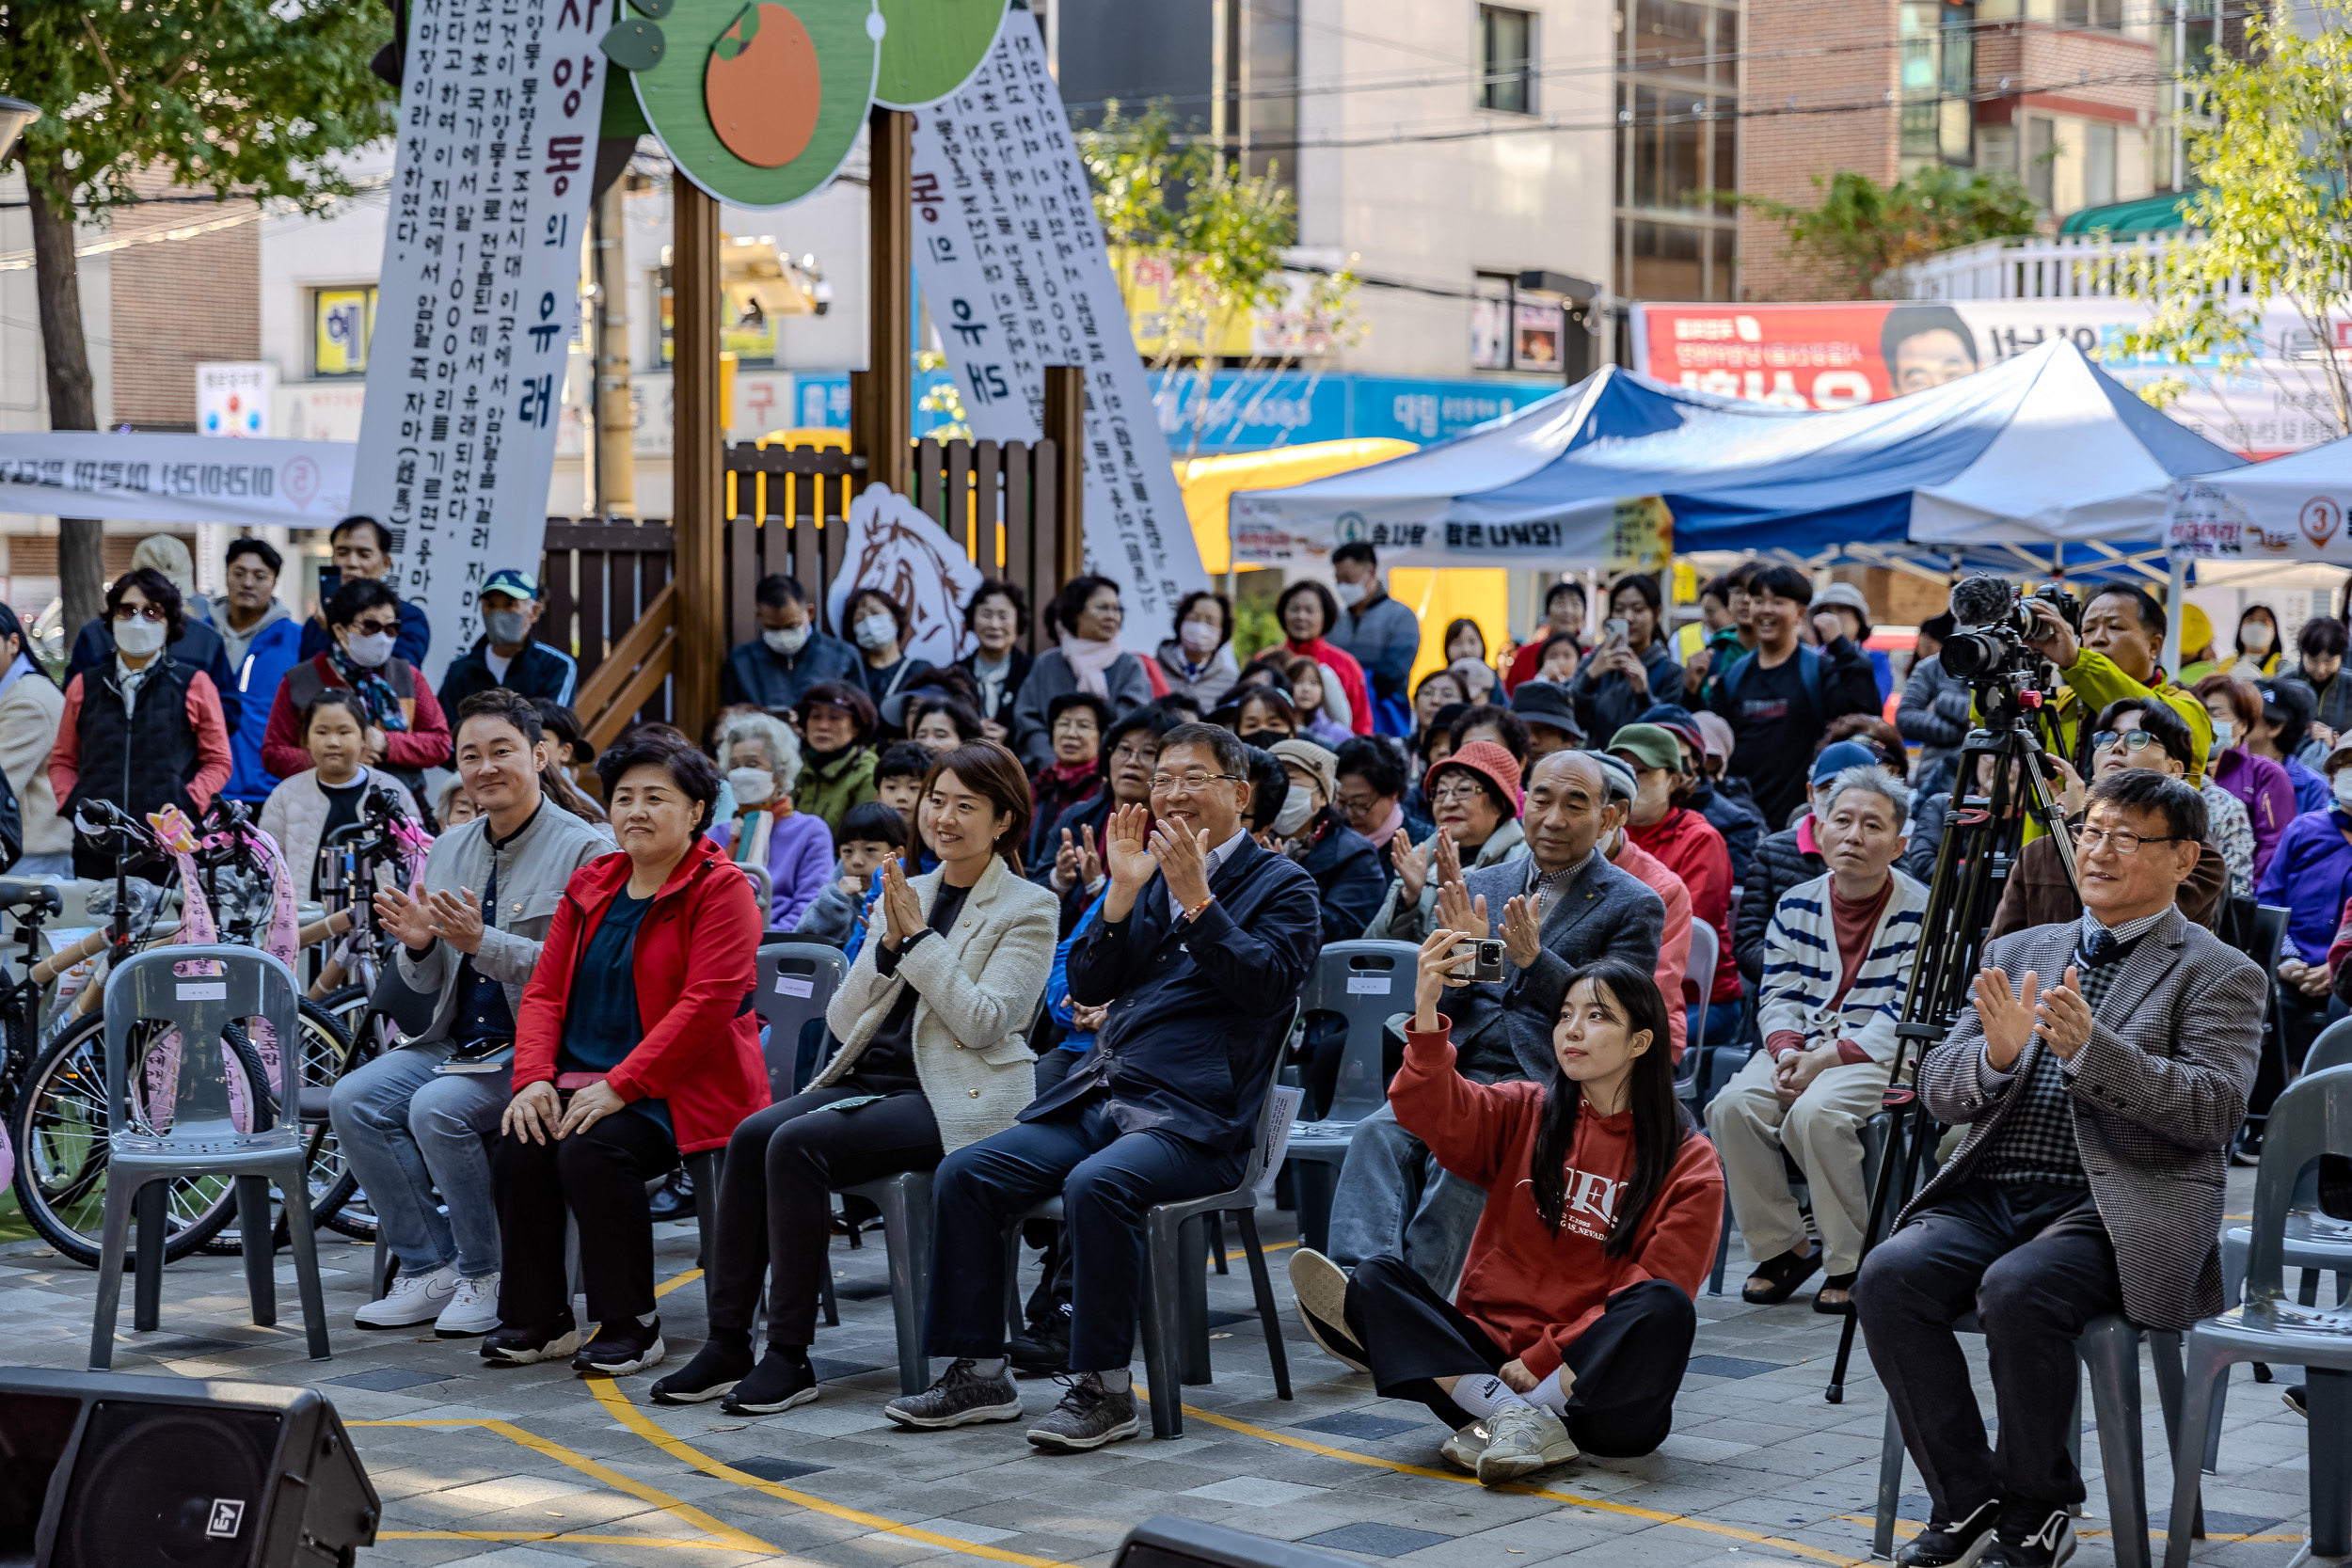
[{"x": 1490, "y": 762}]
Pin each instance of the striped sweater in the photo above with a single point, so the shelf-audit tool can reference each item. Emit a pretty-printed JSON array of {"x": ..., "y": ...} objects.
[{"x": 1802, "y": 968}]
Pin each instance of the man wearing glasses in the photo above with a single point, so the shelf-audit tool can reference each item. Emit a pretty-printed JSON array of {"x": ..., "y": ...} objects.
[
  {"x": 2102, "y": 1070},
  {"x": 1199, "y": 951}
]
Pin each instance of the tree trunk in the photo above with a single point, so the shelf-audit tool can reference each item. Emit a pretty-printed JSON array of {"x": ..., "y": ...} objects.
[{"x": 56, "y": 281}]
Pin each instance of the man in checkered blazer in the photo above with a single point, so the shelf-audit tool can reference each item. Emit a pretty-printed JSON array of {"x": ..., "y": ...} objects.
[{"x": 2102, "y": 1070}]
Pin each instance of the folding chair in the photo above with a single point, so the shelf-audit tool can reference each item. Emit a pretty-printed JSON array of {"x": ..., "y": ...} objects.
[
  {"x": 796, "y": 980},
  {"x": 1367, "y": 983}
]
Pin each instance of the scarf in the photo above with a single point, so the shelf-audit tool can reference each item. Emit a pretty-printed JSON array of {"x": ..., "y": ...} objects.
[
  {"x": 375, "y": 694},
  {"x": 754, "y": 826},
  {"x": 1088, "y": 660},
  {"x": 1389, "y": 827},
  {"x": 1068, "y": 782}
]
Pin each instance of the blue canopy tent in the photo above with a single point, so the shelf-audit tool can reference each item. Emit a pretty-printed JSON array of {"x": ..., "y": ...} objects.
[{"x": 2044, "y": 454}]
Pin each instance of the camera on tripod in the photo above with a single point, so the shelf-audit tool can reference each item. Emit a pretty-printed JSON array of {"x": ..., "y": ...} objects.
[{"x": 1994, "y": 620}]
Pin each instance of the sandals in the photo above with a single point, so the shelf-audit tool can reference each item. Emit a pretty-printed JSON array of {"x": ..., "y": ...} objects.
[
  {"x": 1836, "y": 1282},
  {"x": 1786, "y": 1272}
]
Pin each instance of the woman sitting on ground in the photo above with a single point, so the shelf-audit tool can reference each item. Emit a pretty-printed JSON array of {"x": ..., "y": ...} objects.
[
  {"x": 761, "y": 761},
  {"x": 1573, "y": 1321},
  {"x": 636, "y": 1045},
  {"x": 931, "y": 1058}
]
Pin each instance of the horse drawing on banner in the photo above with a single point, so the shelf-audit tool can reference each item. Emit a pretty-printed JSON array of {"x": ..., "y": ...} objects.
[{"x": 893, "y": 548}]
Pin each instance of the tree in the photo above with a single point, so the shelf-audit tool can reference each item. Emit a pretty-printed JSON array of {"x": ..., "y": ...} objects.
[
  {"x": 248, "y": 99},
  {"x": 2269, "y": 215},
  {"x": 1860, "y": 230},
  {"x": 1218, "y": 236}
]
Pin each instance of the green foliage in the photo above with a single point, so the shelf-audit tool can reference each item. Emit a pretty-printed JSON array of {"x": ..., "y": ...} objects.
[
  {"x": 941, "y": 399},
  {"x": 1255, "y": 627},
  {"x": 2270, "y": 213},
  {"x": 250, "y": 98},
  {"x": 1861, "y": 230}
]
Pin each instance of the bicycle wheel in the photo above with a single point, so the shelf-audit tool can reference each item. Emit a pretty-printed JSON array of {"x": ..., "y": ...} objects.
[
  {"x": 60, "y": 1137},
  {"x": 351, "y": 1214},
  {"x": 324, "y": 1051}
]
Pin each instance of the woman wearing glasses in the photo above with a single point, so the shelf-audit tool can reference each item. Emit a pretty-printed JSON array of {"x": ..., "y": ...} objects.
[
  {"x": 407, "y": 731},
  {"x": 1474, "y": 796},
  {"x": 2137, "y": 732},
  {"x": 143, "y": 731}
]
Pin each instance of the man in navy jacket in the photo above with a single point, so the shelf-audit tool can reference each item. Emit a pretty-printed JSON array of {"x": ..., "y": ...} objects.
[{"x": 1199, "y": 952}]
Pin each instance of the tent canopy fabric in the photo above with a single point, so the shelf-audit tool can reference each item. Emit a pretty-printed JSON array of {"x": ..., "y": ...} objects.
[
  {"x": 2290, "y": 508},
  {"x": 2039, "y": 450},
  {"x": 2147, "y": 214}
]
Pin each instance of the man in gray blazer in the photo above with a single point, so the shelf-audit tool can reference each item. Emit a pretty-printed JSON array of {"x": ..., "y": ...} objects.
[
  {"x": 1559, "y": 909},
  {"x": 2102, "y": 1070}
]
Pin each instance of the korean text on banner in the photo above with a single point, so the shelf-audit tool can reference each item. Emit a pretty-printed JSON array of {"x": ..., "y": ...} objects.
[
  {"x": 175, "y": 478},
  {"x": 1014, "y": 271},
  {"x": 478, "y": 294}
]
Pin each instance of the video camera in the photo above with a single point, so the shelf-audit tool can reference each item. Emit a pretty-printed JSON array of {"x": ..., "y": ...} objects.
[{"x": 1994, "y": 621}]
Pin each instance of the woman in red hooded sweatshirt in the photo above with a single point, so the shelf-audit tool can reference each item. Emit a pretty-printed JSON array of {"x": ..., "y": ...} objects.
[{"x": 1573, "y": 1321}]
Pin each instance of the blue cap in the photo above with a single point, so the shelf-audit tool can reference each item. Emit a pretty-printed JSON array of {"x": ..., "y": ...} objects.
[
  {"x": 1834, "y": 760},
  {"x": 513, "y": 583}
]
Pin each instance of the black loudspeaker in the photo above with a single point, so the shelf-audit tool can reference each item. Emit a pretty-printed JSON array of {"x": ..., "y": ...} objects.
[
  {"x": 1163, "y": 1540},
  {"x": 105, "y": 1470}
]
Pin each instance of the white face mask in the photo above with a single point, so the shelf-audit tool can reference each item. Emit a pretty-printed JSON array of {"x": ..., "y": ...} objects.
[
  {"x": 2341, "y": 786},
  {"x": 789, "y": 641},
  {"x": 1350, "y": 594},
  {"x": 753, "y": 786},
  {"x": 1198, "y": 638},
  {"x": 2256, "y": 635},
  {"x": 1298, "y": 806},
  {"x": 875, "y": 631},
  {"x": 2222, "y": 731},
  {"x": 139, "y": 638},
  {"x": 370, "y": 650}
]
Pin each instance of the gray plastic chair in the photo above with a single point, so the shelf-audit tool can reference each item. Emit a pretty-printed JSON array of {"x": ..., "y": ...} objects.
[
  {"x": 2109, "y": 1350},
  {"x": 1876, "y": 1130},
  {"x": 1705, "y": 954},
  {"x": 2312, "y": 1117},
  {"x": 200, "y": 991},
  {"x": 796, "y": 980},
  {"x": 763, "y": 889},
  {"x": 905, "y": 1202},
  {"x": 1367, "y": 983}
]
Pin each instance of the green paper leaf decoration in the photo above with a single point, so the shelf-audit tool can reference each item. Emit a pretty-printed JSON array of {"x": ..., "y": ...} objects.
[
  {"x": 932, "y": 47},
  {"x": 634, "y": 45},
  {"x": 654, "y": 9}
]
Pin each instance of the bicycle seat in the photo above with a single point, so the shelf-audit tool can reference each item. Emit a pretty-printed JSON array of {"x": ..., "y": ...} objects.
[{"x": 18, "y": 893}]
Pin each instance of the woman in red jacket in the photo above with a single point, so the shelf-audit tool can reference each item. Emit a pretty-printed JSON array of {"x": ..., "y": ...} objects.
[
  {"x": 1573, "y": 1321},
  {"x": 636, "y": 1043}
]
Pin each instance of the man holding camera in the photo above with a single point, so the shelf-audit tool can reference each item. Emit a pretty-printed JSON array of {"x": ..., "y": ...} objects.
[
  {"x": 1560, "y": 907},
  {"x": 2112, "y": 657},
  {"x": 2102, "y": 1069}
]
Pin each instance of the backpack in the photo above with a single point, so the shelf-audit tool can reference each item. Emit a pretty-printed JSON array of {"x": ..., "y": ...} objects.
[{"x": 1808, "y": 672}]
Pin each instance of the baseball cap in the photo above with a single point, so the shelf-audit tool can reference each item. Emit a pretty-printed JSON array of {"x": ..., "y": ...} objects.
[
  {"x": 1834, "y": 760},
  {"x": 513, "y": 583},
  {"x": 1716, "y": 730},
  {"x": 1651, "y": 745}
]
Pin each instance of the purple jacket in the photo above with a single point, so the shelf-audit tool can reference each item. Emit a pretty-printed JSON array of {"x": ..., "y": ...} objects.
[
  {"x": 2311, "y": 878},
  {"x": 799, "y": 861},
  {"x": 2269, "y": 795}
]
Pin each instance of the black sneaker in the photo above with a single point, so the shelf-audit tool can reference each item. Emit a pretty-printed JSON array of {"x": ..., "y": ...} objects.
[
  {"x": 521, "y": 1344},
  {"x": 1043, "y": 1351},
  {"x": 960, "y": 1397},
  {"x": 715, "y": 1370},
  {"x": 2051, "y": 1543},
  {"x": 676, "y": 1199},
  {"x": 782, "y": 1379},
  {"x": 1089, "y": 1416},
  {"x": 1945, "y": 1545},
  {"x": 620, "y": 1349},
  {"x": 2292, "y": 1396}
]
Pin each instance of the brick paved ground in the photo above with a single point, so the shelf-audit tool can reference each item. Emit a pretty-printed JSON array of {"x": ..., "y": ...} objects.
[{"x": 534, "y": 1468}]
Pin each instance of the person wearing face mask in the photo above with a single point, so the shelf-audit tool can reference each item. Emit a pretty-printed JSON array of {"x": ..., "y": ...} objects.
[
  {"x": 877, "y": 624},
  {"x": 143, "y": 733},
  {"x": 2257, "y": 643},
  {"x": 2255, "y": 782},
  {"x": 1198, "y": 661},
  {"x": 261, "y": 639},
  {"x": 1263, "y": 716},
  {"x": 1087, "y": 616},
  {"x": 996, "y": 616},
  {"x": 761, "y": 762},
  {"x": 1692, "y": 850},
  {"x": 775, "y": 669},
  {"x": 407, "y": 731},
  {"x": 364, "y": 548},
  {"x": 506, "y": 655},
  {"x": 195, "y": 644},
  {"x": 1313, "y": 830},
  {"x": 1382, "y": 636},
  {"x": 30, "y": 711}
]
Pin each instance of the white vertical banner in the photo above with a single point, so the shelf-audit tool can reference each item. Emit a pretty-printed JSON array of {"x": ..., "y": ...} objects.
[
  {"x": 477, "y": 294},
  {"x": 1016, "y": 278}
]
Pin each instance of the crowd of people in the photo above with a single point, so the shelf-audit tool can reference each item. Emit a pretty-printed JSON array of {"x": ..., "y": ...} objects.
[{"x": 1081, "y": 891}]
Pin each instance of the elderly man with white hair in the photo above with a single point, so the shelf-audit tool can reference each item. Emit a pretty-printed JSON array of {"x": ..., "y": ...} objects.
[
  {"x": 762, "y": 762},
  {"x": 1837, "y": 960}
]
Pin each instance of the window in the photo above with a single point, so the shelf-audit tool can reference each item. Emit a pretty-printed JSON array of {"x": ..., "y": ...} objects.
[
  {"x": 341, "y": 321},
  {"x": 1506, "y": 61},
  {"x": 2098, "y": 164},
  {"x": 2041, "y": 159},
  {"x": 2104, "y": 15},
  {"x": 1677, "y": 143}
]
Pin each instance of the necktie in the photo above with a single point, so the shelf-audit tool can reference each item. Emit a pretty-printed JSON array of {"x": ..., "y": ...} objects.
[{"x": 2100, "y": 946}]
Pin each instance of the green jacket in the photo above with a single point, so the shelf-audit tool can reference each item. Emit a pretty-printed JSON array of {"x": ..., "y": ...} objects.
[
  {"x": 829, "y": 792},
  {"x": 2094, "y": 682}
]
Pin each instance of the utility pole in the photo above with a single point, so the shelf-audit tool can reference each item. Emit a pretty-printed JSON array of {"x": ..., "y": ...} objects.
[{"x": 607, "y": 346}]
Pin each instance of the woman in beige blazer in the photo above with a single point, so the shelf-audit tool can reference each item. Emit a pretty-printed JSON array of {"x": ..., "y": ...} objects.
[{"x": 933, "y": 1022}]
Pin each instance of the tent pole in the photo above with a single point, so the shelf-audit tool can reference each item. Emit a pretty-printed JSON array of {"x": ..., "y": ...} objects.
[{"x": 2175, "y": 595}]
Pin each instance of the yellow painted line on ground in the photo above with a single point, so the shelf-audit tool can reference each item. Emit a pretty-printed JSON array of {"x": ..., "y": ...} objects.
[
  {"x": 613, "y": 1400},
  {"x": 668, "y": 1285},
  {"x": 1906, "y": 1529},
  {"x": 1243, "y": 1256},
  {"x": 541, "y": 1535},
  {"x": 721, "y": 1534}
]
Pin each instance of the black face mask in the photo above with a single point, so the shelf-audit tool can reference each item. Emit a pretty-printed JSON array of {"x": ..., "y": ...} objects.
[{"x": 1262, "y": 738}]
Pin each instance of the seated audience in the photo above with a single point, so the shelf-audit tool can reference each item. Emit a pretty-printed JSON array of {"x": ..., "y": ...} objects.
[
  {"x": 871, "y": 834},
  {"x": 996, "y": 615},
  {"x": 1087, "y": 615},
  {"x": 1074, "y": 869},
  {"x": 363, "y": 549},
  {"x": 1497, "y": 725},
  {"x": 1313, "y": 830},
  {"x": 2319, "y": 669},
  {"x": 1476, "y": 794},
  {"x": 2282, "y": 734},
  {"x": 1261, "y": 717},
  {"x": 1437, "y": 690},
  {"x": 940, "y": 725},
  {"x": 31, "y": 712},
  {"x": 260, "y": 639},
  {"x": 1687, "y": 996},
  {"x": 1562, "y": 906},
  {"x": 1869, "y": 730},
  {"x": 879, "y": 625},
  {"x": 1689, "y": 847},
  {"x": 196, "y": 646},
  {"x": 1735, "y": 816},
  {"x": 303, "y": 809},
  {"x": 837, "y": 761},
  {"x": 1788, "y": 858},
  {"x": 469, "y": 937},
  {"x": 406, "y": 730},
  {"x": 1545, "y": 710},
  {"x": 170, "y": 749},
  {"x": 2101, "y": 1070},
  {"x": 2254, "y": 780},
  {"x": 777, "y": 669},
  {"x": 1307, "y": 696},
  {"x": 455, "y": 808},
  {"x": 1829, "y": 1044},
  {"x": 1165, "y": 1106},
  {"x": 1198, "y": 661},
  {"x": 932, "y": 1058},
  {"x": 1573, "y": 1325},
  {"x": 1627, "y": 675},
  {"x": 760, "y": 759},
  {"x": 2310, "y": 877},
  {"x": 1372, "y": 791},
  {"x": 506, "y": 655},
  {"x": 898, "y": 775},
  {"x": 635, "y": 1046},
  {"x": 1309, "y": 612},
  {"x": 1077, "y": 722}
]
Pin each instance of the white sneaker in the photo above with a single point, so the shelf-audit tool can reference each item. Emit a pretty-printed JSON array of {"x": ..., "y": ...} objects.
[
  {"x": 1319, "y": 1287},
  {"x": 473, "y": 1309},
  {"x": 414, "y": 1298},
  {"x": 1462, "y": 1450},
  {"x": 1522, "y": 1440}
]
